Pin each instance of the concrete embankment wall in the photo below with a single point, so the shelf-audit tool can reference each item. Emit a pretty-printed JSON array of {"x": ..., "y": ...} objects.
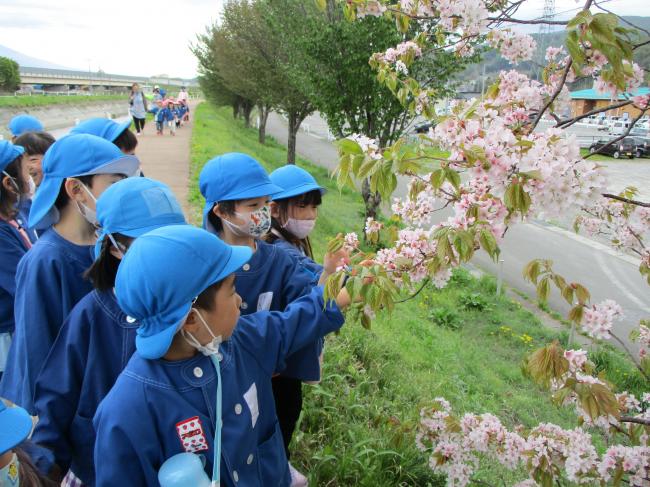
[{"x": 59, "y": 116}]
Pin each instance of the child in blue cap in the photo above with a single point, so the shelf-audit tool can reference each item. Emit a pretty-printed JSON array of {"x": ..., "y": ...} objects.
[
  {"x": 294, "y": 212},
  {"x": 15, "y": 238},
  {"x": 49, "y": 279},
  {"x": 97, "y": 339},
  {"x": 118, "y": 133},
  {"x": 36, "y": 145},
  {"x": 16, "y": 467},
  {"x": 237, "y": 192},
  {"x": 24, "y": 123},
  {"x": 200, "y": 380}
]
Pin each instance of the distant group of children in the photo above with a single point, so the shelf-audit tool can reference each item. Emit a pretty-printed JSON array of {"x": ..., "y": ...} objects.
[
  {"x": 170, "y": 113},
  {"x": 148, "y": 351}
]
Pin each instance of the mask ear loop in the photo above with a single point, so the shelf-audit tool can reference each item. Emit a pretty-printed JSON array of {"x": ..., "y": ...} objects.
[{"x": 117, "y": 246}]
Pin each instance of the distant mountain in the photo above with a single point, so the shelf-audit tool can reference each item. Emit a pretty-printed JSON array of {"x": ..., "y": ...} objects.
[
  {"x": 492, "y": 62},
  {"x": 25, "y": 60}
]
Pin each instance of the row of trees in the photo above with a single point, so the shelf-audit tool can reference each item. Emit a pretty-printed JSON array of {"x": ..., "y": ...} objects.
[
  {"x": 9, "y": 74},
  {"x": 295, "y": 58}
]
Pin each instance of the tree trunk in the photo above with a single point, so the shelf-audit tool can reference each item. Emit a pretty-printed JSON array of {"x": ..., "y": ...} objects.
[
  {"x": 264, "y": 115},
  {"x": 294, "y": 125},
  {"x": 235, "y": 109},
  {"x": 247, "y": 109},
  {"x": 370, "y": 199}
]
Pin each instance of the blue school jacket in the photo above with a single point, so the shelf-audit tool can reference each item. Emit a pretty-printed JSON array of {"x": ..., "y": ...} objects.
[
  {"x": 270, "y": 281},
  {"x": 165, "y": 115},
  {"x": 94, "y": 345},
  {"x": 298, "y": 255},
  {"x": 159, "y": 408},
  {"x": 12, "y": 249},
  {"x": 49, "y": 282}
]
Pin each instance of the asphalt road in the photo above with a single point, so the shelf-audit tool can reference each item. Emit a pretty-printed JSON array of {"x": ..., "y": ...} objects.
[{"x": 605, "y": 272}]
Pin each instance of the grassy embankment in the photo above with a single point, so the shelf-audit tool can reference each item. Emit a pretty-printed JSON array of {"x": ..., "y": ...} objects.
[
  {"x": 463, "y": 343},
  {"x": 44, "y": 100}
]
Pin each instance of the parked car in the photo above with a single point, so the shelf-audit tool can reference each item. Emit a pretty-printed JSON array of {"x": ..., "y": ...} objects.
[
  {"x": 642, "y": 145},
  {"x": 619, "y": 127},
  {"x": 623, "y": 148}
]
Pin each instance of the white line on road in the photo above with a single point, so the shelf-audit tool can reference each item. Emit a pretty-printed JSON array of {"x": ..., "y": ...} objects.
[{"x": 610, "y": 274}]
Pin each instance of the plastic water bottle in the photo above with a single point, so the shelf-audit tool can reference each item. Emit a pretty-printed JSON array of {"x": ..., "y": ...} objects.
[{"x": 183, "y": 470}]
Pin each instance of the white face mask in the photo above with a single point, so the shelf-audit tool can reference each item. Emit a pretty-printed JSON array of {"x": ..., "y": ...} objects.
[
  {"x": 257, "y": 224},
  {"x": 32, "y": 187},
  {"x": 87, "y": 213},
  {"x": 211, "y": 348},
  {"x": 20, "y": 196},
  {"x": 300, "y": 228}
]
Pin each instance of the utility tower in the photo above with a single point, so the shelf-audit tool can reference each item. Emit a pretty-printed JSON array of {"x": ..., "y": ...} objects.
[{"x": 544, "y": 33}]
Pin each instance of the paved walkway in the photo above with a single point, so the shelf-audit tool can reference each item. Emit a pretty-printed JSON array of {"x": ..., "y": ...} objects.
[{"x": 165, "y": 158}]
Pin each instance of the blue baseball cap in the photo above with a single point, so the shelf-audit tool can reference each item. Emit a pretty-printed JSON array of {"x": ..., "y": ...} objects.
[
  {"x": 24, "y": 123},
  {"x": 233, "y": 176},
  {"x": 135, "y": 206},
  {"x": 161, "y": 275},
  {"x": 294, "y": 180},
  {"x": 8, "y": 153},
  {"x": 71, "y": 156},
  {"x": 101, "y": 127},
  {"x": 15, "y": 426}
]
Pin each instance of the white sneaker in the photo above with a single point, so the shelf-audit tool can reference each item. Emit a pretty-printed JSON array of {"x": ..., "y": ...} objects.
[{"x": 297, "y": 479}]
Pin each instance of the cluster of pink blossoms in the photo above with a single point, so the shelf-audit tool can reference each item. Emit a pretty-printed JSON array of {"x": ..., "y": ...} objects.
[
  {"x": 631, "y": 82},
  {"x": 598, "y": 319},
  {"x": 372, "y": 8},
  {"x": 513, "y": 46},
  {"x": 368, "y": 145},
  {"x": 547, "y": 448},
  {"x": 409, "y": 257},
  {"x": 351, "y": 241},
  {"x": 625, "y": 226},
  {"x": 372, "y": 226}
]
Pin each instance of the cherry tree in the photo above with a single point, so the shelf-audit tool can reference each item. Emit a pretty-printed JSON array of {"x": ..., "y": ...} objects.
[{"x": 504, "y": 167}]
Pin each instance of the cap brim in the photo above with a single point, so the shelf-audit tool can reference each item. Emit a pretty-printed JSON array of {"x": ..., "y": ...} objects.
[
  {"x": 264, "y": 189},
  {"x": 126, "y": 164},
  {"x": 44, "y": 199},
  {"x": 156, "y": 346},
  {"x": 135, "y": 233},
  {"x": 302, "y": 189},
  {"x": 16, "y": 425},
  {"x": 119, "y": 129},
  {"x": 238, "y": 257}
]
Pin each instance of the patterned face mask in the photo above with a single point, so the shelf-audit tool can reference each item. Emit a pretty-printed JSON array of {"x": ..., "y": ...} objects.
[
  {"x": 9, "y": 474},
  {"x": 257, "y": 224}
]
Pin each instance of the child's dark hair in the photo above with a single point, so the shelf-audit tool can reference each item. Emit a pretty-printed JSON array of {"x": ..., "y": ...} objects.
[
  {"x": 28, "y": 474},
  {"x": 227, "y": 207},
  {"x": 205, "y": 300},
  {"x": 314, "y": 198},
  {"x": 7, "y": 198},
  {"x": 104, "y": 269},
  {"x": 63, "y": 199},
  {"x": 35, "y": 143},
  {"x": 126, "y": 141}
]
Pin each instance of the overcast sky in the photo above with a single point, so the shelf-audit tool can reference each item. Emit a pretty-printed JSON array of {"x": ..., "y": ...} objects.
[{"x": 145, "y": 37}]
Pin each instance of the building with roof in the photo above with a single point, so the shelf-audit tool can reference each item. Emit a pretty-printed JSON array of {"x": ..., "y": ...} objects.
[{"x": 584, "y": 101}]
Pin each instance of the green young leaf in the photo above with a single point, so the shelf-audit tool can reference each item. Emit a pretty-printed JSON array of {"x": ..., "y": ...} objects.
[
  {"x": 543, "y": 288},
  {"x": 453, "y": 177},
  {"x": 581, "y": 293},
  {"x": 348, "y": 146},
  {"x": 489, "y": 243}
]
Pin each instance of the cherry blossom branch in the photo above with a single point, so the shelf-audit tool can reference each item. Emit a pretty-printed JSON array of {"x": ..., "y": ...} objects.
[
  {"x": 521, "y": 21},
  {"x": 632, "y": 419},
  {"x": 555, "y": 94},
  {"x": 631, "y": 355},
  {"x": 424, "y": 284},
  {"x": 641, "y": 44},
  {"x": 626, "y": 200},
  {"x": 570, "y": 121}
]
